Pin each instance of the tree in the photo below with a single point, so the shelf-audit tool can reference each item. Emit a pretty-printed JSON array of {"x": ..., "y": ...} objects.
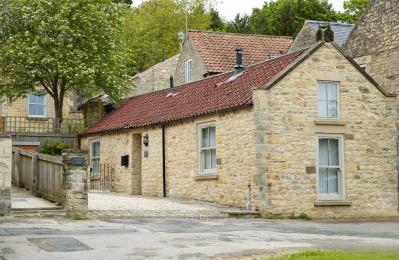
[
  {"x": 353, "y": 9},
  {"x": 240, "y": 24},
  {"x": 217, "y": 23},
  {"x": 61, "y": 46},
  {"x": 154, "y": 26}
]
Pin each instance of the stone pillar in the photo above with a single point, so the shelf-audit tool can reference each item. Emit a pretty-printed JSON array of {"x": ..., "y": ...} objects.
[
  {"x": 75, "y": 182},
  {"x": 5, "y": 174}
]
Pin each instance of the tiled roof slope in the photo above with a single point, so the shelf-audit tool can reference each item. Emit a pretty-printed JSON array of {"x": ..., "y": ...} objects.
[
  {"x": 216, "y": 48},
  {"x": 341, "y": 30},
  {"x": 218, "y": 93}
]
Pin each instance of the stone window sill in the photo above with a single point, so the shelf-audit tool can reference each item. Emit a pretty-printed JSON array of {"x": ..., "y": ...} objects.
[
  {"x": 329, "y": 122},
  {"x": 206, "y": 177},
  {"x": 321, "y": 203},
  {"x": 32, "y": 118}
]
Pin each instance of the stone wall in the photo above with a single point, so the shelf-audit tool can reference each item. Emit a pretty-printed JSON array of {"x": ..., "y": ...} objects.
[
  {"x": 286, "y": 142},
  {"x": 375, "y": 42},
  {"x": 75, "y": 188},
  {"x": 93, "y": 111},
  {"x": 305, "y": 38},
  {"x": 5, "y": 174},
  {"x": 189, "y": 52}
]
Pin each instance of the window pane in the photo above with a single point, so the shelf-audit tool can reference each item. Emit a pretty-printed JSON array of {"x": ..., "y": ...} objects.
[
  {"x": 322, "y": 92},
  {"x": 205, "y": 137},
  {"x": 96, "y": 166},
  {"x": 32, "y": 110},
  {"x": 213, "y": 155},
  {"x": 322, "y": 108},
  {"x": 332, "y": 92},
  {"x": 332, "y": 181},
  {"x": 96, "y": 149},
  {"x": 323, "y": 180},
  {"x": 40, "y": 99},
  {"x": 332, "y": 109},
  {"x": 208, "y": 159},
  {"x": 32, "y": 99},
  {"x": 212, "y": 137},
  {"x": 40, "y": 110},
  {"x": 333, "y": 152},
  {"x": 323, "y": 152}
]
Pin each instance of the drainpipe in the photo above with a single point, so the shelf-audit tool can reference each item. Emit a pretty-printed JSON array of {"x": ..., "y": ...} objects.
[{"x": 163, "y": 163}]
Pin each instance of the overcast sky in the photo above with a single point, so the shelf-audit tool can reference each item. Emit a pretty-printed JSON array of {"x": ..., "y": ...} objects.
[{"x": 229, "y": 8}]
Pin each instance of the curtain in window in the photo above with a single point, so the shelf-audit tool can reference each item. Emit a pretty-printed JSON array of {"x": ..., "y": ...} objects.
[{"x": 328, "y": 165}]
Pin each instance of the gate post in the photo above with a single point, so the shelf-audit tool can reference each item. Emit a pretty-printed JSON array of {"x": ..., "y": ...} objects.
[
  {"x": 5, "y": 174},
  {"x": 75, "y": 199}
]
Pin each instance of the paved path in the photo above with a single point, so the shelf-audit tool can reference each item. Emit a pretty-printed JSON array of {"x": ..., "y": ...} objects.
[
  {"x": 106, "y": 204},
  {"x": 185, "y": 238},
  {"x": 23, "y": 199}
]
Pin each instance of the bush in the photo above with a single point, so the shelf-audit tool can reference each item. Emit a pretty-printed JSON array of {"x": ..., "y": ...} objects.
[{"x": 54, "y": 149}]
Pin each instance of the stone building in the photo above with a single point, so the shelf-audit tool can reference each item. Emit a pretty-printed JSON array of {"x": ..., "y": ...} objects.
[
  {"x": 310, "y": 131},
  {"x": 206, "y": 53},
  {"x": 374, "y": 42},
  {"x": 307, "y": 35}
]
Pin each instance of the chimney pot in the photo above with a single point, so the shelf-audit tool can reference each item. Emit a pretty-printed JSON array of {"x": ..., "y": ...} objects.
[
  {"x": 171, "y": 85},
  {"x": 238, "y": 68}
]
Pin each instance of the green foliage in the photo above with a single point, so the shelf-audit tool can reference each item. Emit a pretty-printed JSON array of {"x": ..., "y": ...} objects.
[
  {"x": 334, "y": 255},
  {"x": 61, "y": 46},
  {"x": 54, "y": 149},
  {"x": 354, "y": 10},
  {"x": 283, "y": 17},
  {"x": 302, "y": 216},
  {"x": 217, "y": 23},
  {"x": 2, "y": 214},
  {"x": 77, "y": 216},
  {"x": 154, "y": 25}
]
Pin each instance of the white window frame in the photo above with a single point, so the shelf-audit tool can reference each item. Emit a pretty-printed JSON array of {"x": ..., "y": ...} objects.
[
  {"x": 201, "y": 169},
  {"x": 92, "y": 157},
  {"x": 338, "y": 101},
  {"x": 44, "y": 106},
  {"x": 188, "y": 71},
  {"x": 341, "y": 175}
]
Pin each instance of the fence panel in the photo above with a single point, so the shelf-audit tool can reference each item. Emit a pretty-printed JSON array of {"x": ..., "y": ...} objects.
[{"x": 42, "y": 174}]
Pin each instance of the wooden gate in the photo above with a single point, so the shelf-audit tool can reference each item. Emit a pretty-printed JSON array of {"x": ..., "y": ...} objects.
[
  {"x": 40, "y": 173},
  {"x": 102, "y": 180}
]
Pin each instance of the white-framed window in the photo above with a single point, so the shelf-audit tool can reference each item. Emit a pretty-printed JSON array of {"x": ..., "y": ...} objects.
[
  {"x": 328, "y": 100},
  {"x": 363, "y": 66},
  {"x": 188, "y": 71},
  {"x": 37, "y": 106},
  {"x": 207, "y": 148},
  {"x": 330, "y": 167},
  {"x": 95, "y": 157}
]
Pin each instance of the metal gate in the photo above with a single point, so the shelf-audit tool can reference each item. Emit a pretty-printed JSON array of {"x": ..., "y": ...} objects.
[{"x": 102, "y": 179}]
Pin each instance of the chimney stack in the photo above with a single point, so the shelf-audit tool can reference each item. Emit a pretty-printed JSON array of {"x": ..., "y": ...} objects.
[
  {"x": 171, "y": 85},
  {"x": 238, "y": 68},
  {"x": 325, "y": 33}
]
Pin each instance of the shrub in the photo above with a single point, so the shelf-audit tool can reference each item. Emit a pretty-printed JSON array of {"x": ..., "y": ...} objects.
[{"x": 54, "y": 149}]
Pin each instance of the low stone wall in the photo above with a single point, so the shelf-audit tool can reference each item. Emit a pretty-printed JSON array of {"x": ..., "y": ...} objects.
[
  {"x": 75, "y": 182},
  {"x": 5, "y": 174}
]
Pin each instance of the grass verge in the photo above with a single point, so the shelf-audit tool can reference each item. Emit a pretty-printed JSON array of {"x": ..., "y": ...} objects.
[{"x": 335, "y": 255}]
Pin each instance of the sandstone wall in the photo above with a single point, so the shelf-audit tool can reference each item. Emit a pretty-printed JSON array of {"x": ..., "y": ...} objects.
[
  {"x": 5, "y": 174},
  {"x": 375, "y": 42},
  {"x": 286, "y": 142},
  {"x": 305, "y": 38},
  {"x": 189, "y": 52}
]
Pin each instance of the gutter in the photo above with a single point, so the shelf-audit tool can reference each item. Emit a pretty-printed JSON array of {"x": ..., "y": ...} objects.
[{"x": 163, "y": 162}]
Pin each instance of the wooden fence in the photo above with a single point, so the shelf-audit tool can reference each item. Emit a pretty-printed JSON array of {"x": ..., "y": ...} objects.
[{"x": 40, "y": 173}]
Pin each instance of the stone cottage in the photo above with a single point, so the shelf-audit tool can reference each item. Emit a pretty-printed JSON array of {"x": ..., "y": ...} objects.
[
  {"x": 307, "y": 35},
  {"x": 374, "y": 42},
  {"x": 310, "y": 131},
  {"x": 207, "y": 53}
]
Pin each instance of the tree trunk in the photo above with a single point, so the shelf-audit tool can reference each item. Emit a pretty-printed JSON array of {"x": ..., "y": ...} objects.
[{"x": 58, "y": 103}]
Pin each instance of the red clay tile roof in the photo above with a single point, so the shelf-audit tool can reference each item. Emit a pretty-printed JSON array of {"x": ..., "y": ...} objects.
[
  {"x": 217, "y": 49},
  {"x": 218, "y": 93}
]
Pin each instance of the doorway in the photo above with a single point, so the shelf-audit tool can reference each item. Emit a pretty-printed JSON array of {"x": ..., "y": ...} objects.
[{"x": 136, "y": 165}]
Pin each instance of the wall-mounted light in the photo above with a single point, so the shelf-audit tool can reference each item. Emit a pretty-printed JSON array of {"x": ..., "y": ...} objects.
[{"x": 145, "y": 140}]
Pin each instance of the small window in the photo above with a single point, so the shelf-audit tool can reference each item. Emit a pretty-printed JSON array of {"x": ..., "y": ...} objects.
[
  {"x": 188, "y": 71},
  {"x": 328, "y": 100},
  {"x": 329, "y": 166},
  {"x": 207, "y": 144},
  {"x": 95, "y": 158},
  {"x": 37, "y": 105},
  {"x": 363, "y": 66}
]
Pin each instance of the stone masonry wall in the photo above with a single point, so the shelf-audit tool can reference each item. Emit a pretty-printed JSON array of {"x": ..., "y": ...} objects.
[
  {"x": 189, "y": 52},
  {"x": 375, "y": 42},
  {"x": 235, "y": 154},
  {"x": 286, "y": 141},
  {"x": 5, "y": 174},
  {"x": 305, "y": 38}
]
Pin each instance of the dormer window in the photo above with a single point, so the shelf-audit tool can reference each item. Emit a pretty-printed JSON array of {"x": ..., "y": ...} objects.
[
  {"x": 328, "y": 104},
  {"x": 188, "y": 71}
]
